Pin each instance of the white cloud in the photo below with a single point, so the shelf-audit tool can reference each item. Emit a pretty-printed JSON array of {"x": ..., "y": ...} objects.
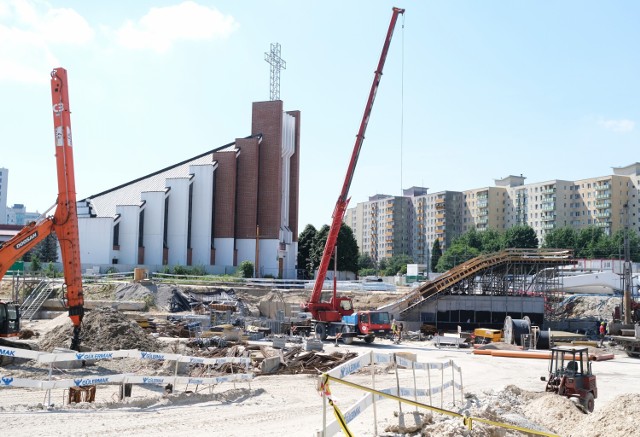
[
  {"x": 619, "y": 126},
  {"x": 35, "y": 29},
  {"x": 162, "y": 27}
]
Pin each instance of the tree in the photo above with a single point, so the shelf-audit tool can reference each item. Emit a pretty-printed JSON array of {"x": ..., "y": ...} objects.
[
  {"x": 471, "y": 238},
  {"x": 347, "y": 248},
  {"x": 35, "y": 263},
  {"x": 305, "y": 246},
  {"x": 521, "y": 237},
  {"x": 491, "y": 241},
  {"x": 561, "y": 238},
  {"x": 47, "y": 249},
  {"x": 365, "y": 262},
  {"x": 397, "y": 264},
  {"x": 588, "y": 241},
  {"x": 456, "y": 254},
  {"x": 436, "y": 253}
]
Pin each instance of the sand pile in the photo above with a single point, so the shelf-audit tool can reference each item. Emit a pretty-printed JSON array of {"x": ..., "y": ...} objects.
[{"x": 102, "y": 329}]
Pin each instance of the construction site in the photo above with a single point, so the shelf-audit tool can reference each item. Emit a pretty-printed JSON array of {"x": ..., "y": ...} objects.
[
  {"x": 276, "y": 388},
  {"x": 495, "y": 346}
]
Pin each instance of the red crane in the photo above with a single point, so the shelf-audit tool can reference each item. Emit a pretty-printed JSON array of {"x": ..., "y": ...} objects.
[
  {"x": 337, "y": 307},
  {"x": 64, "y": 222}
]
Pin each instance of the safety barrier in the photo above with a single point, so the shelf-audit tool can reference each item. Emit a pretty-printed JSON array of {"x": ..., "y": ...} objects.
[
  {"x": 398, "y": 393},
  {"x": 52, "y": 358},
  {"x": 436, "y": 384}
]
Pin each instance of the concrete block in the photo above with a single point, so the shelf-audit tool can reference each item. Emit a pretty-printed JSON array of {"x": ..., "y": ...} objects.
[
  {"x": 312, "y": 344},
  {"x": 270, "y": 365},
  {"x": 408, "y": 356},
  {"x": 279, "y": 343}
]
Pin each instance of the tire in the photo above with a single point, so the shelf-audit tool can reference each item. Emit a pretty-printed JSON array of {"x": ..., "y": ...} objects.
[
  {"x": 588, "y": 402},
  {"x": 369, "y": 339},
  {"x": 321, "y": 331},
  {"x": 346, "y": 339}
]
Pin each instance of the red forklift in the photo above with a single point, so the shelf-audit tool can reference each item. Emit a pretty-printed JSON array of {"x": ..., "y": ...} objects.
[{"x": 570, "y": 375}]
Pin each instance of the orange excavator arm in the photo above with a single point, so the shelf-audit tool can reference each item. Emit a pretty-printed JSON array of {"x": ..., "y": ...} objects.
[
  {"x": 65, "y": 219},
  {"x": 25, "y": 240},
  {"x": 64, "y": 222}
]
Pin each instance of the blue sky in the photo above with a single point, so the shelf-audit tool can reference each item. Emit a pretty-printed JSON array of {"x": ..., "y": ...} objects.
[{"x": 472, "y": 90}]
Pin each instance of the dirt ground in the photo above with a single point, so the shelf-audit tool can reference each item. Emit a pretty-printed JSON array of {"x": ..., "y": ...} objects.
[{"x": 499, "y": 389}]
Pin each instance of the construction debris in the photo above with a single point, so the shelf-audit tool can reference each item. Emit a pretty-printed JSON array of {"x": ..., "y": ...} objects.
[{"x": 103, "y": 329}]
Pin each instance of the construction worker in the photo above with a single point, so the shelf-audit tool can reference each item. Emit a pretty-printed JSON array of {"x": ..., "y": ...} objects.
[
  {"x": 603, "y": 331},
  {"x": 394, "y": 330}
]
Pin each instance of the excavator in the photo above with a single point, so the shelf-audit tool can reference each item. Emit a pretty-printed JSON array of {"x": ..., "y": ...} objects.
[
  {"x": 64, "y": 223},
  {"x": 336, "y": 317}
]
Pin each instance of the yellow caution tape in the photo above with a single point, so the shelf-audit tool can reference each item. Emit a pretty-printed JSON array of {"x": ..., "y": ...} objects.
[
  {"x": 326, "y": 392},
  {"x": 466, "y": 420}
]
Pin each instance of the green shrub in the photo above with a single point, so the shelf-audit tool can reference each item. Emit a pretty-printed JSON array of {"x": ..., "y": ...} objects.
[
  {"x": 35, "y": 264},
  {"x": 181, "y": 270},
  {"x": 245, "y": 269},
  {"x": 198, "y": 271}
]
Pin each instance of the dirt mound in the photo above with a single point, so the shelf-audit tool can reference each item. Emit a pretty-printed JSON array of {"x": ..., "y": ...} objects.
[
  {"x": 102, "y": 329},
  {"x": 588, "y": 307},
  {"x": 621, "y": 416}
]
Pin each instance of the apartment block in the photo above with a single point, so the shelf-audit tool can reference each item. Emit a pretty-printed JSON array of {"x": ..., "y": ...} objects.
[
  {"x": 484, "y": 208},
  {"x": 382, "y": 226},
  {"x": 607, "y": 202},
  {"x": 4, "y": 182}
]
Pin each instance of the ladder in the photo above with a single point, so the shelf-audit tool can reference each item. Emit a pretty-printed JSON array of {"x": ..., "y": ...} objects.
[{"x": 32, "y": 304}]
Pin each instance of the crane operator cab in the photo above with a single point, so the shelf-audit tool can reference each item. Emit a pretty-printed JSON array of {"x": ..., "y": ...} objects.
[{"x": 9, "y": 319}]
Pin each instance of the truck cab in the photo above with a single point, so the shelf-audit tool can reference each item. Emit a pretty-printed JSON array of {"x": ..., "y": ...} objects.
[{"x": 366, "y": 325}]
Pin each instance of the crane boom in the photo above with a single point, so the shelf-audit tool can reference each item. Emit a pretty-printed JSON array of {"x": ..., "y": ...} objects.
[{"x": 332, "y": 311}]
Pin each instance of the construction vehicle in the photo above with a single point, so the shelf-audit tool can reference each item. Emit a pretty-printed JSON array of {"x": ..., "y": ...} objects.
[
  {"x": 570, "y": 375},
  {"x": 486, "y": 335},
  {"x": 64, "y": 223},
  {"x": 328, "y": 318}
]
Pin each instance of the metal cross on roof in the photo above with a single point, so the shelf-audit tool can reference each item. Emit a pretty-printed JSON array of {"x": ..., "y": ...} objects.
[{"x": 277, "y": 64}]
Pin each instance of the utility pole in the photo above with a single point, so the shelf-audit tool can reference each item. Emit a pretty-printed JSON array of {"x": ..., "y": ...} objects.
[{"x": 627, "y": 270}]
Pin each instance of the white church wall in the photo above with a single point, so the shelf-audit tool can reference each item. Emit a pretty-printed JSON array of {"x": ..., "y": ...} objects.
[
  {"x": 153, "y": 226},
  {"x": 178, "y": 220},
  {"x": 202, "y": 214}
]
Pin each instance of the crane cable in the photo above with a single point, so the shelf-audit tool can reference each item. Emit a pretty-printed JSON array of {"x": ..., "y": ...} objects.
[
  {"x": 403, "y": 249},
  {"x": 401, "y": 105}
]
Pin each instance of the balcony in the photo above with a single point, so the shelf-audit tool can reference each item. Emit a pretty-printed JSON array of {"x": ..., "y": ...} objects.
[
  {"x": 548, "y": 217},
  {"x": 603, "y": 224},
  {"x": 483, "y": 204},
  {"x": 440, "y": 205},
  {"x": 602, "y": 187},
  {"x": 483, "y": 213},
  {"x": 551, "y": 190},
  {"x": 550, "y": 199},
  {"x": 603, "y": 214},
  {"x": 483, "y": 220},
  {"x": 549, "y": 225},
  {"x": 603, "y": 205},
  {"x": 549, "y": 207},
  {"x": 605, "y": 195}
]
